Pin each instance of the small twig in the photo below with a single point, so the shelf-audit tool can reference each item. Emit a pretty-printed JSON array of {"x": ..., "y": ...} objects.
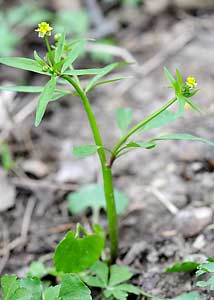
[
  {"x": 25, "y": 111},
  {"x": 32, "y": 184},
  {"x": 103, "y": 26},
  {"x": 21, "y": 240},
  {"x": 95, "y": 12},
  {"x": 163, "y": 199},
  {"x": 113, "y": 50},
  {"x": 27, "y": 219},
  {"x": 5, "y": 235}
]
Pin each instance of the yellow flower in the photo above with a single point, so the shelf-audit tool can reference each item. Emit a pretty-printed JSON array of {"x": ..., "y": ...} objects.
[
  {"x": 44, "y": 29},
  {"x": 191, "y": 82}
]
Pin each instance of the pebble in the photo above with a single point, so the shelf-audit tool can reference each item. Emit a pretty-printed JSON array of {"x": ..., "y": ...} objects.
[
  {"x": 36, "y": 168},
  {"x": 199, "y": 242},
  {"x": 190, "y": 222}
]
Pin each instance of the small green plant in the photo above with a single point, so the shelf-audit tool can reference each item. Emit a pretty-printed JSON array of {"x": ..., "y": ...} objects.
[
  {"x": 206, "y": 268},
  {"x": 79, "y": 250},
  {"x": 31, "y": 288}
]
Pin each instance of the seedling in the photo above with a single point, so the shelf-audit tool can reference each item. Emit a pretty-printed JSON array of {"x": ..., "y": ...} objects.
[
  {"x": 204, "y": 268},
  {"x": 79, "y": 250},
  {"x": 31, "y": 288}
]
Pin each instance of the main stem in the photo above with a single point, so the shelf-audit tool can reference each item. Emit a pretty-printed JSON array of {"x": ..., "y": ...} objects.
[{"x": 106, "y": 171}]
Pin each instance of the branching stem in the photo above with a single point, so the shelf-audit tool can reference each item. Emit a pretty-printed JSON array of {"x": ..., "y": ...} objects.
[{"x": 137, "y": 127}]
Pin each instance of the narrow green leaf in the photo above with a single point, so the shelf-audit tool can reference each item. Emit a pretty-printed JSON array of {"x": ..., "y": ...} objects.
[
  {"x": 38, "y": 59},
  {"x": 146, "y": 145},
  {"x": 23, "y": 63},
  {"x": 76, "y": 50},
  {"x": 109, "y": 81},
  {"x": 34, "y": 89},
  {"x": 194, "y": 92},
  {"x": 59, "y": 93},
  {"x": 86, "y": 72},
  {"x": 183, "y": 136},
  {"x": 44, "y": 98},
  {"x": 193, "y": 105},
  {"x": 83, "y": 151},
  {"x": 170, "y": 77},
  {"x": 179, "y": 136},
  {"x": 103, "y": 72},
  {"x": 22, "y": 89},
  {"x": 60, "y": 47},
  {"x": 179, "y": 78},
  {"x": 186, "y": 266},
  {"x": 162, "y": 119},
  {"x": 124, "y": 116},
  {"x": 83, "y": 72}
]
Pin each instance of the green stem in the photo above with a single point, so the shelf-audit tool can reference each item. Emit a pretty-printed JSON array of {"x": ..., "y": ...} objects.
[
  {"x": 138, "y": 126},
  {"x": 111, "y": 211},
  {"x": 47, "y": 44},
  {"x": 49, "y": 55},
  {"x": 106, "y": 171}
]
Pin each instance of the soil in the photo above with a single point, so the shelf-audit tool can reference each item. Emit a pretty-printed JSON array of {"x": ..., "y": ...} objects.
[{"x": 180, "y": 172}]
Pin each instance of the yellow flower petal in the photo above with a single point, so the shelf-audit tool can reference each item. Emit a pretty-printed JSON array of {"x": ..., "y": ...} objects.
[
  {"x": 44, "y": 29},
  {"x": 191, "y": 82}
]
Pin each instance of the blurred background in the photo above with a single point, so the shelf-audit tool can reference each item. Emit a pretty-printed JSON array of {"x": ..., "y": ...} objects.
[{"x": 170, "y": 189}]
